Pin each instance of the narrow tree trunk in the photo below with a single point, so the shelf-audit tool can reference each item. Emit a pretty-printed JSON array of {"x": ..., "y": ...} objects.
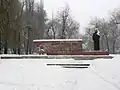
[
  {"x": 14, "y": 43},
  {"x": 63, "y": 34},
  {"x": 30, "y": 51},
  {"x": 27, "y": 48},
  {"x": 0, "y": 48},
  {"x": 19, "y": 51},
  {"x": 114, "y": 46},
  {"x": 0, "y": 44},
  {"x": 53, "y": 33},
  {"x": 63, "y": 29},
  {"x": 14, "y": 50},
  {"x": 19, "y": 43},
  {"x": 28, "y": 42},
  {"x": 5, "y": 47}
]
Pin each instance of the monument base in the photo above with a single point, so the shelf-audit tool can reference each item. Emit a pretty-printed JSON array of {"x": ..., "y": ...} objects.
[
  {"x": 80, "y": 53},
  {"x": 63, "y": 47},
  {"x": 95, "y": 53}
]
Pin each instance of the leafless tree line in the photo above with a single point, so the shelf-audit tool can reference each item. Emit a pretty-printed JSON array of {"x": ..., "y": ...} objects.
[
  {"x": 23, "y": 21},
  {"x": 109, "y": 32}
]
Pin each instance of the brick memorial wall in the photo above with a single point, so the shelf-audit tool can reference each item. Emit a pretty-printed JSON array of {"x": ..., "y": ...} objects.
[{"x": 59, "y": 47}]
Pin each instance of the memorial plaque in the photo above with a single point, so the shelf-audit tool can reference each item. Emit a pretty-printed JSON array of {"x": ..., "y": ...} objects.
[{"x": 60, "y": 46}]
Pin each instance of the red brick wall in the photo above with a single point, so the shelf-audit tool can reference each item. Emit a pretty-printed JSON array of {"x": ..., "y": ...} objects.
[{"x": 60, "y": 47}]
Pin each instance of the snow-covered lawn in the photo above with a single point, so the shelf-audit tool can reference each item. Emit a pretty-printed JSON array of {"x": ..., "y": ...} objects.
[{"x": 33, "y": 74}]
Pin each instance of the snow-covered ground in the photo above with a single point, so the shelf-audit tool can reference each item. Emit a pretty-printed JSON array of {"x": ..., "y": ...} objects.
[{"x": 33, "y": 74}]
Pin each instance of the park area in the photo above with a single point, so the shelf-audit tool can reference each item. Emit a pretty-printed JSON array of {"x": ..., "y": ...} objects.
[
  {"x": 60, "y": 74},
  {"x": 60, "y": 45}
]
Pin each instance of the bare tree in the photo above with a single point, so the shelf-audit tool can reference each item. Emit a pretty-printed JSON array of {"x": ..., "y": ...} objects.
[
  {"x": 53, "y": 28},
  {"x": 63, "y": 25},
  {"x": 114, "y": 29},
  {"x": 109, "y": 31},
  {"x": 69, "y": 27},
  {"x": 72, "y": 29},
  {"x": 63, "y": 16}
]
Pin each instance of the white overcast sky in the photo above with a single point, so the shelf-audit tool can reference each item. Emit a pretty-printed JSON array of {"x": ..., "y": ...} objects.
[{"x": 82, "y": 10}]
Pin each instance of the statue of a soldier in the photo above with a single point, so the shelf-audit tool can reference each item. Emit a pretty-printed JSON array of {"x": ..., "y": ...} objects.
[{"x": 96, "y": 38}]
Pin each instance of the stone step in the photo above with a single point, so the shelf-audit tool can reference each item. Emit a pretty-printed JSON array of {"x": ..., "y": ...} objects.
[
  {"x": 72, "y": 64},
  {"x": 74, "y": 67}
]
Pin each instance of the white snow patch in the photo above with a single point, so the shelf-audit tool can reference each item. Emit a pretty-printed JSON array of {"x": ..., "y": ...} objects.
[
  {"x": 57, "y": 40},
  {"x": 33, "y": 74}
]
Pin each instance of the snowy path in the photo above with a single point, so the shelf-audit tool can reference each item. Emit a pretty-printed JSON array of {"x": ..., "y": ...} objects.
[{"x": 35, "y": 75}]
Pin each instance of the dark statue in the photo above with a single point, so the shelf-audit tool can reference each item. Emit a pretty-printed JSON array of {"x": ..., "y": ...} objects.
[{"x": 96, "y": 38}]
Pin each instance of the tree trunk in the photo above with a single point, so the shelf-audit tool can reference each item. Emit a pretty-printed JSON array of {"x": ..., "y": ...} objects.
[
  {"x": 28, "y": 42},
  {"x": 63, "y": 32},
  {"x": 0, "y": 44},
  {"x": 54, "y": 35},
  {"x": 19, "y": 51},
  {"x": 63, "y": 29},
  {"x": 5, "y": 47},
  {"x": 14, "y": 50},
  {"x": 19, "y": 43},
  {"x": 0, "y": 48},
  {"x": 30, "y": 51},
  {"x": 27, "y": 48},
  {"x": 114, "y": 46},
  {"x": 53, "y": 32},
  {"x": 14, "y": 43}
]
